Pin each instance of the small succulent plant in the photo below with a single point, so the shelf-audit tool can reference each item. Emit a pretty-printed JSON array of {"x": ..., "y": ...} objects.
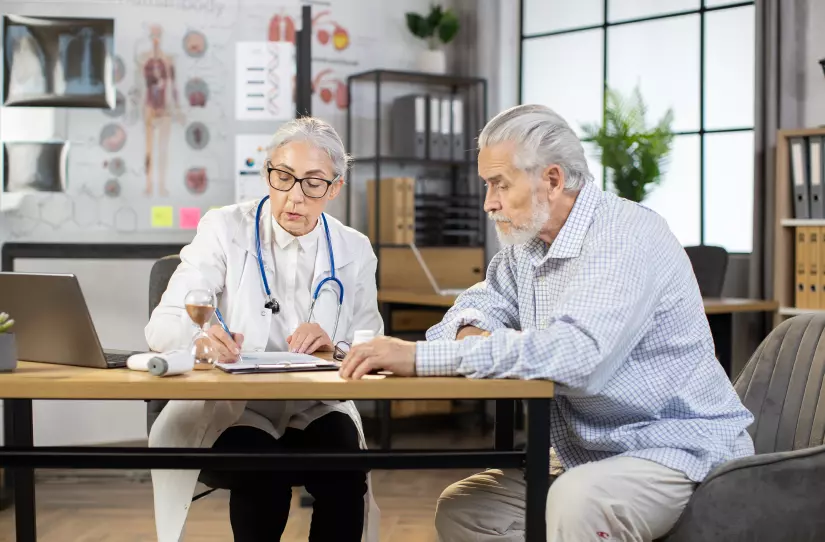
[{"x": 5, "y": 322}]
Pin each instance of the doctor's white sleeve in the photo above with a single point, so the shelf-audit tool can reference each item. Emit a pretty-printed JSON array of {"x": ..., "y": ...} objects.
[{"x": 203, "y": 265}]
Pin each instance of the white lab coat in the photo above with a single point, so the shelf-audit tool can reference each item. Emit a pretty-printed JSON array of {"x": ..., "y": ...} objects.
[{"x": 223, "y": 257}]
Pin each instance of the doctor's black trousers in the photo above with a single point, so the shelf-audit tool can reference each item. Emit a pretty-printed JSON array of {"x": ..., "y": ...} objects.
[{"x": 259, "y": 502}]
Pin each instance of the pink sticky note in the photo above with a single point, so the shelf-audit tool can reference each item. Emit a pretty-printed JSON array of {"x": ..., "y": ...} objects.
[{"x": 189, "y": 217}]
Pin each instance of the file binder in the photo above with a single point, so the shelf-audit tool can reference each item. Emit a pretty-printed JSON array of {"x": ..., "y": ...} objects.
[
  {"x": 799, "y": 177},
  {"x": 812, "y": 280},
  {"x": 457, "y": 139},
  {"x": 815, "y": 174},
  {"x": 434, "y": 129},
  {"x": 801, "y": 257},
  {"x": 408, "y": 136},
  {"x": 821, "y": 265},
  {"x": 445, "y": 141}
]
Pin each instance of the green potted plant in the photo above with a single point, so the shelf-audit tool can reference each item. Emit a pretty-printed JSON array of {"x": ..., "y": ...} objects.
[
  {"x": 8, "y": 348},
  {"x": 437, "y": 28},
  {"x": 633, "y": 155}
]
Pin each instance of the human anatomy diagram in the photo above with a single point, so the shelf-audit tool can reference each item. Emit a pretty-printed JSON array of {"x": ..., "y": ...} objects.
[{"x": 161, "y": 106}]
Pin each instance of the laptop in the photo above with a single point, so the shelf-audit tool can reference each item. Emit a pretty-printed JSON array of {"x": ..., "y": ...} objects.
[
  {"x": 430, "y": 277},
  {"x": 52, "y": 323}
]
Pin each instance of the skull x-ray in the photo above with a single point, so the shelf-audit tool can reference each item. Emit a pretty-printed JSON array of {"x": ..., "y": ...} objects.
[
  {"x": 58, "y": 62},
  {"x": 35, "y": 166}
]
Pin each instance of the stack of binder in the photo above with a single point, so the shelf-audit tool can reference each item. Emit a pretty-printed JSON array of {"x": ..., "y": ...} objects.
[
  {"x": 428, "y": 126},
  {"x": 806, "y": 175},
  {"x": 397, "y": 206},
  {"x": 810, "y": 267}
]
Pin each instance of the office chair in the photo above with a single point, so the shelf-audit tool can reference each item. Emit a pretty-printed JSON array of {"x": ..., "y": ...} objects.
[
  {"x": 710, "y": 264},
  {"x": 777, "y": 493}
]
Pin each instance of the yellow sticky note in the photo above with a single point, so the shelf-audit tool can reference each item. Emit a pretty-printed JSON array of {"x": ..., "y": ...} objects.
[{"x": 162, "y": 217}]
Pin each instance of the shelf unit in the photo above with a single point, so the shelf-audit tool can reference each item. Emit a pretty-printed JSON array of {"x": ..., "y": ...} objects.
[
  {"x": 457, "y": 173},
  {"x": 785, "y": 224}
]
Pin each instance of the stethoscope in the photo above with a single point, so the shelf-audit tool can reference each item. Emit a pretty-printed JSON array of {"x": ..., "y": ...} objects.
[{"x": 272, "y": 303}]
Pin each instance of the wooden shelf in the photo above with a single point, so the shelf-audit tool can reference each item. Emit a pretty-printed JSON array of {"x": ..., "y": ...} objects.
[
  {"x": 784, "y": 275},
  {"x": 794, "y": 222}
]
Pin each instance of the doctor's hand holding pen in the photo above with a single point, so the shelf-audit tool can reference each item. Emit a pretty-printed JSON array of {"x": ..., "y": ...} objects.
[{"x": 228, "y": 345}]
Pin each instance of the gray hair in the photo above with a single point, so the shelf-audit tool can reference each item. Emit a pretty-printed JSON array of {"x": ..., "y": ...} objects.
[
  {"x": 318, "y": 133},
  {"x": 542, "y": 137}
]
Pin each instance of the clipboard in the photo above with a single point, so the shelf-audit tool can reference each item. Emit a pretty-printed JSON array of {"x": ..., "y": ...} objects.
[{"x": 277, "y": 362}]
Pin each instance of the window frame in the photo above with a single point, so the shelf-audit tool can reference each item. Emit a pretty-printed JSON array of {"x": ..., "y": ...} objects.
[{"x": 605, "y": 26}]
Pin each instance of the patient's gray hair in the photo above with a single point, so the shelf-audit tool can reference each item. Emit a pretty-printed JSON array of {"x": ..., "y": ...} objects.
[
  {"x": 318, "y": 133},
  {"x": 542, "y": 138}
]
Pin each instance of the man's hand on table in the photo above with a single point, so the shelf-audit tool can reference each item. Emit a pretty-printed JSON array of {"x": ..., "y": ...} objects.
[{"x": 379, "y": 354}]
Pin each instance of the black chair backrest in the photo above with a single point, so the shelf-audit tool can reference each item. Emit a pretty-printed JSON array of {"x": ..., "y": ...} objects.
[
  {"x": 782, "y": 385},
  {"x": 709, "y": 265},
  {"x": 159, "y": 277}
]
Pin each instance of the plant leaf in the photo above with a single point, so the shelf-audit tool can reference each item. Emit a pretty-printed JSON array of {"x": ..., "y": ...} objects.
[
  {"x": 634, "y": 156},
  {"x": 448, "y": 27},
  {"x": 418, "y": 26}
]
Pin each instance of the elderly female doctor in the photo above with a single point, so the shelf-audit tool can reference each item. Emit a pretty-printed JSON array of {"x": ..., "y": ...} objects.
[{"x": 267, "y": 308}]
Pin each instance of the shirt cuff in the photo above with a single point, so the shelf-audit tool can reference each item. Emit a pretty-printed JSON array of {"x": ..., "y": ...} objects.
[
  {"x": 467, "y": 317},
  {"x": 437, "y": 358}
]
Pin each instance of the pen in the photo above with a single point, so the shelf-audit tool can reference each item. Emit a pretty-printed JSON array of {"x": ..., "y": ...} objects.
[{"x": 225, "y": 328}]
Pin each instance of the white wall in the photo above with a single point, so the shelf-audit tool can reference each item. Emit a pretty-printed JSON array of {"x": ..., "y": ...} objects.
[{"x": 116, "y": 291}]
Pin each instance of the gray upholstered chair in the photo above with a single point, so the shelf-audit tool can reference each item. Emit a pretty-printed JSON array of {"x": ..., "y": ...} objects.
[
  {"x": 710, "y": 264},
  {"x": 162, "y": 271},
  {"x": 779, "y": 493}
]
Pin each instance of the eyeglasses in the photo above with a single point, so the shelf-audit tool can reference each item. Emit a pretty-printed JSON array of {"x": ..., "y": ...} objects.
[{"x": 312, "y": 187}]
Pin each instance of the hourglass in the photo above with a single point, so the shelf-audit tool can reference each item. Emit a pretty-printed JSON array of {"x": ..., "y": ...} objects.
[{"x": 200, "y": 305}]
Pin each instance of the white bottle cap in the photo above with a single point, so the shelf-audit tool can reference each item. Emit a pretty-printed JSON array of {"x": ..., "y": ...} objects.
[{"x": 362, "y": 336}]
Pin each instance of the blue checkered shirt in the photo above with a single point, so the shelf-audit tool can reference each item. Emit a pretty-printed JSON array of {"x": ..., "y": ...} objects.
[{"x": 612, "y": 313}]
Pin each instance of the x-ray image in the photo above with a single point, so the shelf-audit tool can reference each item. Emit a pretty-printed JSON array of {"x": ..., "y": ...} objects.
[
  {"x": 35, "y": 166},
  {"x": 58, "y": 62}
]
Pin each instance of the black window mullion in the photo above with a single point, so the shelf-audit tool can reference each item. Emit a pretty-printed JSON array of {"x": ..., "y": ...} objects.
[
  {"x": 702, "y": 124},
  {"x": 604, "y": 80}
]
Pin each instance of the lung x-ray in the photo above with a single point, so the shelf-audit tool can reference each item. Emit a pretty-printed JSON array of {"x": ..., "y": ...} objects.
[{"x": 58, "y": 62}]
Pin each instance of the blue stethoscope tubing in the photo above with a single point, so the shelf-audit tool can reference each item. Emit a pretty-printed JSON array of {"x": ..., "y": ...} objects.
[{"x": 331, "y": 278}]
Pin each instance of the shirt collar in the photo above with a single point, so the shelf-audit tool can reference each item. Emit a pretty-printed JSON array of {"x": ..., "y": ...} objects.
[
  {"x": 568, "y": 243},
  {"x": 283, "y": 238}
]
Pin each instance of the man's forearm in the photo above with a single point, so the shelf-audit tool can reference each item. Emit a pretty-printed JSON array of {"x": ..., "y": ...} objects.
[{"x": 468, "y": 331}]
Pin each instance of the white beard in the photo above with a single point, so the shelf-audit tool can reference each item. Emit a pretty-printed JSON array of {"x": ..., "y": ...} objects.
[{"x": 526, "y": 233}]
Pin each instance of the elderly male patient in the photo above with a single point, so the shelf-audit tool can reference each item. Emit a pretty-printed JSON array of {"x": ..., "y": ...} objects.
[{"x": 595, "y": 293}]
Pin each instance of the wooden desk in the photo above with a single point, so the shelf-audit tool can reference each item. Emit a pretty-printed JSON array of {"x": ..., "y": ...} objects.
[
  {"x": 719, "y": 311},
  {"x": 45, "y": 381}
]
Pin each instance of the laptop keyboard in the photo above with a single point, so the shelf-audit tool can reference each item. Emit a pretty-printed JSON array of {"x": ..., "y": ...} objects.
[{"x": 116, "y": 360}]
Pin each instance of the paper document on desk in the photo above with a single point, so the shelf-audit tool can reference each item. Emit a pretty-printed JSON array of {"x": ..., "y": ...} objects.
[{"x": 277, "y": 362}]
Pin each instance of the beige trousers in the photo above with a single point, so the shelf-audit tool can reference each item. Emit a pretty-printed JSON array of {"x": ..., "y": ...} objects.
[{"x": 616, "y": 499}]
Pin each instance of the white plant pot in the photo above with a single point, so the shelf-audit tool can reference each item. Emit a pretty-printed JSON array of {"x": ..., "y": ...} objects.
[{"x": 432, "y": 61}]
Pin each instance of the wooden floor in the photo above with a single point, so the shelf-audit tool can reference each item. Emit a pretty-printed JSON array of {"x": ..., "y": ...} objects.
[{"x": 116, "y": 506}]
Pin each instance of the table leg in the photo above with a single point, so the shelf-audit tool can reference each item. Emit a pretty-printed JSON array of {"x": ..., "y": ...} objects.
[
  {"x": 721, "y": 327},
  {"x": 385, "y": 423},
  {"x": 22, "y": 436},
  {"x": 537, "y": 468},
  {"x": 384, "y": 408},
  {"x": 505, "y": 409}
]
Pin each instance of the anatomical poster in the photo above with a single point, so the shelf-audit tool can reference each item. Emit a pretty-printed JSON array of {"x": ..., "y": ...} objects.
[{"x": 264, "y": 74}]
